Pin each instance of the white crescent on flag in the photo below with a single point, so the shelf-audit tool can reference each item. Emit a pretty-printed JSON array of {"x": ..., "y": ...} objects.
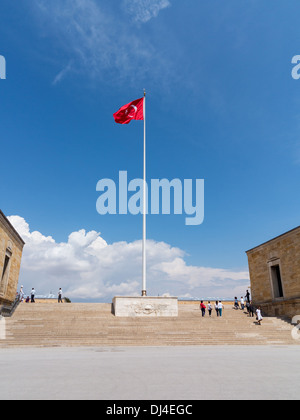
[{"x": 130, "y": 114}]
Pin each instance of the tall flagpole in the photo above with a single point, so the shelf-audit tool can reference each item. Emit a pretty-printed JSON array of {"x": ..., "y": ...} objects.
[{"x": 144, "y": 291}]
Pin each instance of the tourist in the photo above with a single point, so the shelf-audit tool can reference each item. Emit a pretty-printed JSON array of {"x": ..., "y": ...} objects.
[
  {"x": 242, "y": 303},
  {"x": 236, "y": 303},
  {"x": 209, "y": 308},
  {"x": 248, "y": 307},
  {"x": 21, "y": 294},
  {"x": 60, "y": 296},
  {"x": 217, "y": 308},
  {"x": 203, "y": 307},
  {"x": 251, "y": 309},
  {"x": 32, "y": 295},
  {"x": 221, "y": 307},
  {"x": 247, "y": 296},
  {"x": 27, "y": 299},
  {"x": 259, "y": 316}
]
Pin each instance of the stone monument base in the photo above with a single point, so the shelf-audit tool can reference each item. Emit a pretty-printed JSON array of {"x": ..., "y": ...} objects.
[{"x": 144, "y": 306}]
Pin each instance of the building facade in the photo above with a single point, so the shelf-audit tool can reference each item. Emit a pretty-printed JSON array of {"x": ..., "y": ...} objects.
[
  {"x": 275, "y": 275},
  {"x": 11, "y": 248}
]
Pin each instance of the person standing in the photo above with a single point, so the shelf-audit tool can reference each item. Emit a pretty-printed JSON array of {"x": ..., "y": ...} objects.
[
  {"x": 21, "y": 295},
  {"x": 217, "y": 308},
  {"x": 242, "y": 303},
  {"x": 236, "y": 303},
  {"x": 221, "y": 307},
  {"x": 203, "y": 307},
  {"x": 60, "y": 296},
  {"x": 209, "y": 308},
  {"x": 32, "y": 295},
  {"x": 247, "y": 296},
  {"x": 251, "y": 309},
  {"x": 248, "y": 307}
]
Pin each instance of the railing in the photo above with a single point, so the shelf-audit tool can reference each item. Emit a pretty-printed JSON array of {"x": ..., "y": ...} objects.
[{"x": 8, "y": 310}]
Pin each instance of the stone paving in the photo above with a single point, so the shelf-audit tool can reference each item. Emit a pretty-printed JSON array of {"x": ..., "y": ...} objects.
[{"x": 150, "y": 373}]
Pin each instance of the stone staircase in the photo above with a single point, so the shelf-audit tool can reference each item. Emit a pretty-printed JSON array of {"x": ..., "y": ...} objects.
[{"x": 92, "y": 324}]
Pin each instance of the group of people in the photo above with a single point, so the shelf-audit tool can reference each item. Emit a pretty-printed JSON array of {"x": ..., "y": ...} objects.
[
  {"x": 218, "y": 308},
  {"x": 33, "y": 293},
  {"x": 28, "y": 299},
  {"x": 244, "y": 302},
  {"x": 251, "y": 310}
]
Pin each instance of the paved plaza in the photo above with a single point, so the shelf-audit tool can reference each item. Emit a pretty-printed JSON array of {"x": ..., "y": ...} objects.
[{"x": 150, "y": 373}]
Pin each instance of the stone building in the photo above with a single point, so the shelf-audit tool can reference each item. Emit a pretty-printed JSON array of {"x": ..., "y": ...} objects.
[
  {"x": 275, "y": 275},
  {"x": 11, "y": 248}
]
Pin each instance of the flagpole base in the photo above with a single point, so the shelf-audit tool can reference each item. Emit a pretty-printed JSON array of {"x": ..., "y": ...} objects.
[
  {"x": 144, "y": 293},
  {"x": 145, "y": 306}
]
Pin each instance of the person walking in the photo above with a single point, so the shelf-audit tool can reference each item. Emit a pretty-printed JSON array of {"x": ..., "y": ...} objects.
[
  {"x": 217, "y": 308},
  {"x": 32, "y": 295},
  {"x": 248, "y": 307},
  {"x": 202, "y": 307},
  {"x": 21, "y": 294},
  {"x": 221, "y": 307},
  {"x": 259, "y": 315},
  {"x": 251, "y": 310},
  {"x": 242, "y": 303},
  {"x": 60, "y": 296},
  {"x": 209, "y": 308}
]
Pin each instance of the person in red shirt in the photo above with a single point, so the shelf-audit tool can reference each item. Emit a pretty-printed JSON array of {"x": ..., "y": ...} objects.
[{"x": 202, "y": 307}]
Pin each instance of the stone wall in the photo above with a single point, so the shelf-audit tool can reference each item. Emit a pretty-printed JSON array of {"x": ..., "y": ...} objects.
[
  {"x": 11, "y": 248},
  {"x": 283, "y": 252}
]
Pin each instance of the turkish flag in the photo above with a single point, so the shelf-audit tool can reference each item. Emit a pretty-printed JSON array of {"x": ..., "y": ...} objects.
[{"x": 132, "y": 111}]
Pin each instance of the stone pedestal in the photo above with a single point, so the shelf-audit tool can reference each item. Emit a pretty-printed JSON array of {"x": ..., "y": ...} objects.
[{"x": 129, "y": 306}]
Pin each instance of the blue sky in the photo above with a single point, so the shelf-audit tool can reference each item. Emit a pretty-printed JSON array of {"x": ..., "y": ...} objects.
[{"x": 221, "y": 106}]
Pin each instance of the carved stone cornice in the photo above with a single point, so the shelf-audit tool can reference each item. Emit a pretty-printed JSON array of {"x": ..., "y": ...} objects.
[{"x": 9, "y": 227}]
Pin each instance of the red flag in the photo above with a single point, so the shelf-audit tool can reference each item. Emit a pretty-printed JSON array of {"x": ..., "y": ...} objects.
[{"x": 132, "y": 111}]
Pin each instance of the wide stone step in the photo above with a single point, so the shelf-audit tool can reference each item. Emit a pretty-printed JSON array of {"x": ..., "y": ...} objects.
[{"x": 49, "y": 325}]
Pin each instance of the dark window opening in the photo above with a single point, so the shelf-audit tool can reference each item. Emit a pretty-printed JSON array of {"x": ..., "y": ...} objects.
[
  {"x": 5, "y": 266},
  {"x": 277, "y": 282}
]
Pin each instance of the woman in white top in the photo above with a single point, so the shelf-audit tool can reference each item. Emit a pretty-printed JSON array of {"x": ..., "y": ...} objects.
[
  {"x": 217, "y": 308},
  {"x": 220, "y": 307},
  {"x": 209, "y": 307},
  {"x": 242, "y": 303},
  {"x": 259, "y": 316}
]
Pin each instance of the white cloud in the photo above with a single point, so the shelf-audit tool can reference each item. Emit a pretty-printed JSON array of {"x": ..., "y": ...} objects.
[
  {"x": 87, "y": 267},
  {"x": 62, "y": 74},
  {"x": 97, "y": 41},
  {"x": 144, "y": 10}
]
